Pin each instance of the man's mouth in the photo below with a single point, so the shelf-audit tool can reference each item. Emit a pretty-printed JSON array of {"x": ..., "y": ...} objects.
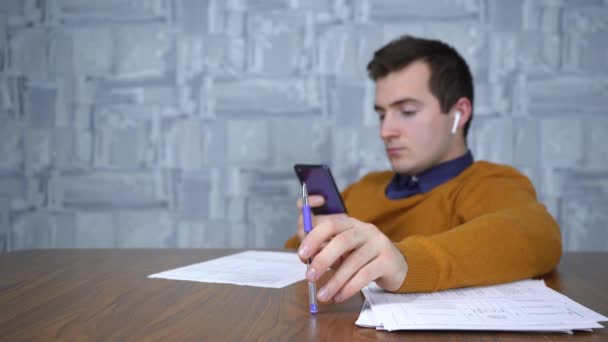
[{"x": 394, "y": 151}]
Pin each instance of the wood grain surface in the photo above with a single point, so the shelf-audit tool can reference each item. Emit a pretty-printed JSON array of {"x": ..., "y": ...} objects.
[{"x": 84, "y": 295}]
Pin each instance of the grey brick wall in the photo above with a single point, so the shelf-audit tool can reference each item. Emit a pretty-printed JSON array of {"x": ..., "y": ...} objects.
[{"x": 175, "y": 123}]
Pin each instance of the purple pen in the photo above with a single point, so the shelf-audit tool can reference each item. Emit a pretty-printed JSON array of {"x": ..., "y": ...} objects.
[{"x": 312, "y": 287}]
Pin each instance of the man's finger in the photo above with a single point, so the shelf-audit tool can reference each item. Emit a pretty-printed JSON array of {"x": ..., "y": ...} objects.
[
  {"x": 322, "y": 232},
  {"x": 313, "y": 201},
  {"x": 362, "y": 278},
  {"x": 351, "y": 265},
  {"x": 339, "y": 262},
  {"x": 339, "y": 245},
  {"x": 318, "y": 219}
]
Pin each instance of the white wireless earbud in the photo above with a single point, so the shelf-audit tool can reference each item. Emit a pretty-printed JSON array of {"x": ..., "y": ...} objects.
[{"x": 456, "y": 121}]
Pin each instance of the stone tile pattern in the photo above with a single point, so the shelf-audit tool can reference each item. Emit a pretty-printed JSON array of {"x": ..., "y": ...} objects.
[{"x": 175, "y": 123}]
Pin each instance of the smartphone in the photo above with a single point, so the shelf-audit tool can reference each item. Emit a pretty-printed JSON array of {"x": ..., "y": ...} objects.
[{"x": 319, "y": 181}]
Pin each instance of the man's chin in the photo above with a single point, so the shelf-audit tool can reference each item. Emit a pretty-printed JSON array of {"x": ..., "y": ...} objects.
[
  {"x": 405, "y": 168},
  {"x": 401, "y": 167}
]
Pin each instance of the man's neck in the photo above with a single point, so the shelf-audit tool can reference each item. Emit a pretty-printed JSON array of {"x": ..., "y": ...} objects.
[
  {"x": 402, "y": 186},
  {"x": 455, "y": 152},
  {"x": 457, "y": 149}
]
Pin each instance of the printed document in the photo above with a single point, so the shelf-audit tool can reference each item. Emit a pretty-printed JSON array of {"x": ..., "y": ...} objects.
[
  {"x": 527, "y": 305},
  {"x": 253, "y": 268}
]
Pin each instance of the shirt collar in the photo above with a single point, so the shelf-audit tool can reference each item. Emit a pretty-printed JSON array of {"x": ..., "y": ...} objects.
[{"x": 402, "y": 186}]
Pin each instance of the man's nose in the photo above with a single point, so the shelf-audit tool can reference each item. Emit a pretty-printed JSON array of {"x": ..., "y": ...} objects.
[{"x": 388, "y": 127}]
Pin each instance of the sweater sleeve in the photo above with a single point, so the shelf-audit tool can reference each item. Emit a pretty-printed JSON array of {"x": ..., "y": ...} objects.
[{"x": 502, "y": 233}]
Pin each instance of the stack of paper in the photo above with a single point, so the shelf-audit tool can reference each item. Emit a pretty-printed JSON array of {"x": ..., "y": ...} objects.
[{"x": 527, "y": 305}]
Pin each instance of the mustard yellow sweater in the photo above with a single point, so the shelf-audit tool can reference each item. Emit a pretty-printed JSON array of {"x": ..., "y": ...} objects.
[{"x": 483, "y": 227}]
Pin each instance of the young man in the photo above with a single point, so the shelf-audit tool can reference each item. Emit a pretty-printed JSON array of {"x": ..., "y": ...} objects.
[{"x": 439, "y": 220}]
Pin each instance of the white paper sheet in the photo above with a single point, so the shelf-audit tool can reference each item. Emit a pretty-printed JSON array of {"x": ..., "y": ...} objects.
[
  {"x": 520, "y": 306},
  {"x": 253, "y": 268},
  {"x": 367, "y": 319}
]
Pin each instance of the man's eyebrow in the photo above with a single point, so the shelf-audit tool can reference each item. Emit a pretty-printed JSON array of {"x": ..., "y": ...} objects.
[{"x": 397, "y": 103}]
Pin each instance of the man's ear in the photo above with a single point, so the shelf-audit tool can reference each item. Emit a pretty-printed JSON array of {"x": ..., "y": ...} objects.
[{"x": 465, "y": 108}]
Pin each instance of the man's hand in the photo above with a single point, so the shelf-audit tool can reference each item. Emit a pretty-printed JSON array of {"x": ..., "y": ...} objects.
[
  {"x": 367, "y": 255},
  {"x": 314, "y": 201}
]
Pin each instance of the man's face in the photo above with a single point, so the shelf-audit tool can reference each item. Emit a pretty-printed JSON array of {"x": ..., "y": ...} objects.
[{"x": 415, "y": 132}]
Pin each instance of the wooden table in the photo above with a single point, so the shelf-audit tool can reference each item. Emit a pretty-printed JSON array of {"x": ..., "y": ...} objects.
[{"x": 105, "y": 295}]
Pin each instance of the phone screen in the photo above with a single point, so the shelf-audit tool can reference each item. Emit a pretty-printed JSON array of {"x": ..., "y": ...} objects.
[{"x": 319, "y": 181}]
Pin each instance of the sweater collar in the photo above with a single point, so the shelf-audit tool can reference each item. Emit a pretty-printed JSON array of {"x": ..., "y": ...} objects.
[{"x": 402, "y": 186}]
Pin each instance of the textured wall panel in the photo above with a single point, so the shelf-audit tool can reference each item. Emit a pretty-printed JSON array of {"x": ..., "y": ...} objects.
[
  {"x": 95, "y": 230},
  {"x": 5, "y": 210},
  {"x": 267, "y": 95},
  {"x": 3, "y": 40},
  {"x": 40, "y": 104},
  {"x": 554, "y": 96},
  {"x": 11, "y": 138},
  {"x": 185, "y": 144},
  {"x": 562, "y": 142},
  {"x": 410, "y": 9},
  {"x": 584, "y": 222},
  {"x": 193, "y": 194},
  {"x": 43, "y": 229},
  {"x": 280, "y": 42},
  {"x": 527, "y": 143},
  {"x": 596, "y": 150},
  {"x": 37, "y": 150},
  {"x": 176, "y": 123},
  {"x": 586, "y": 48},
  {"x": 203, "y": 234},
  {"x": 345, "y": 50},
  {"x": 103, "y": 189},
  {"x": 28, "y": 53},
  {"x": 111, "y": 9},
  {"x": 297, "y": 140},
  {"x": 142, "y": 51},
  {"x": 93, "y": 50},
  {"x": 144, "y": 228},
  {"x": 71, "y": 148},
  {"x": 248, "y": 142},
  {"x": 123, "y": 137},
  {"x": 492, "y": 139}
]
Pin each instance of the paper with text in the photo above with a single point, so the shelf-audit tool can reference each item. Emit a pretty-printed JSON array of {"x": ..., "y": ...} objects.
[
  {"x": 520, "y": 306},
  {"x": 253, "y": 268}
]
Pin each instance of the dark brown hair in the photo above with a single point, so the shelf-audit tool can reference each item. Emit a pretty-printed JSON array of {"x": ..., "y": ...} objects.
[{"x": 450, "y": 80}]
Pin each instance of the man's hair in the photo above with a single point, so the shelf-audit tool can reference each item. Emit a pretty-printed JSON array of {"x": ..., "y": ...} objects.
[{"x": 450, "y": 79}]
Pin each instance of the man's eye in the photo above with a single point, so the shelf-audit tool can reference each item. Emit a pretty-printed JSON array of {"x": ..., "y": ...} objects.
[
  {"x": 408, "y": 112},
  {"x": 381, "y": 117}
]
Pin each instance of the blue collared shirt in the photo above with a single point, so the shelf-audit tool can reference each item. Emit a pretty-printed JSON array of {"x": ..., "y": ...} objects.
[{"x": 402, "y": 186}]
